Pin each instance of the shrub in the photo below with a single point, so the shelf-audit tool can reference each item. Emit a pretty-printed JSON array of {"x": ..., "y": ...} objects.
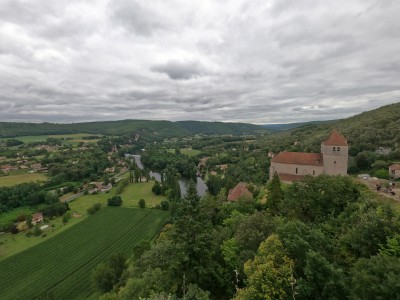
[
  {"x": 114, "y": 201},
  {"x": 142, "y": 203},
  {"x": 382, "y": 173},
  {"x": 95, "y": 207},
  {"x": 164, "y": 205}
]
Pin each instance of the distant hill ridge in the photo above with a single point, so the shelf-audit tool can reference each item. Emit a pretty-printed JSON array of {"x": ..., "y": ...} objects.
[{"x": 148, "y": 127}]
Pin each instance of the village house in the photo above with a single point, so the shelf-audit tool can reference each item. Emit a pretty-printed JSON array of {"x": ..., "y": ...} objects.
[
  {"x": 8, "y": 168},
  {"x": 394, "y": 171},
  {"x": 240, "y": 190},
  {"x": 383, "y": 150},
  {"x": 333, "y": 160},
  {"x": 37, "y": 218}
]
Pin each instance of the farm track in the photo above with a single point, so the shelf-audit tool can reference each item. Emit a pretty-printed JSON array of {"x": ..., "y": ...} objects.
[{"x": 61, "y": 266}]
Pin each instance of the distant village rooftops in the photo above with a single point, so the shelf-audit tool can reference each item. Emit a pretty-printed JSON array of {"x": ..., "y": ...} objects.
[
  {"x": 240, "y": 190},
  {"x": 335, "y": 139},
  {"x": 299, "y": 158}
]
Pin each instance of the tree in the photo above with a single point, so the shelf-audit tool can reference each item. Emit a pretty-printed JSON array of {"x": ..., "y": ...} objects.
[
  {"x": 114, "y": 201},
  {"x": 142, "y": 203},
  {"x": 156, "y": 189},
  {"x": 103, "y": 278},
  {"x": 376, "y": 278},
  {"x": 269, "y": 275},
  {"x": 164, "y": 205},
  {"x": 275, "y": 194}
]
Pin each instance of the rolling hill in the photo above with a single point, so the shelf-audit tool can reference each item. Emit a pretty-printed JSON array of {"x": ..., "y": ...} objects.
[
  {"x": 144, "y": 127},
  {"x": 365, "y": 131}
]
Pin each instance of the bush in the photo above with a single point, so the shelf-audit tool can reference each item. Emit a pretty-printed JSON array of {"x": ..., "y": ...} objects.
[
  {"x": 95, "y": 207},
  {"x": 66, "y": 217},
  {"x": 37, "y": 231},
  {"x": 142, "y": 203},
  {"x": 156, "y": 189},
  {"x": 382, "y": 173},
  {"x": 164, "y": 205},
  {"x": 114, "y": 201},
  {"x": 121, "y": 186}
]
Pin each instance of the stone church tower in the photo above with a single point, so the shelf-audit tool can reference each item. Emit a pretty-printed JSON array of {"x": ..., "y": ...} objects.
[{"x": 335, "y": 151}]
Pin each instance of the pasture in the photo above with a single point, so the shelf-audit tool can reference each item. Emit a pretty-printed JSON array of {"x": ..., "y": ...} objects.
[
  {"x": 60, "y": 267},
  {"x": 73, "y": 138},
  {"x": 187, "y": 151},
  {"x": 130, "y": 197},
  {"x": 10, "y": 180}
]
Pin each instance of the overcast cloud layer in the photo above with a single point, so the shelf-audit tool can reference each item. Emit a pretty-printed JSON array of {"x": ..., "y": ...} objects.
[{"x": 253, "y": 61}]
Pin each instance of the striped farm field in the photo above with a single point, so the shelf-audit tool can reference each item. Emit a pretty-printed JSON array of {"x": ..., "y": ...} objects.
[{"x": 60, "y": 267}]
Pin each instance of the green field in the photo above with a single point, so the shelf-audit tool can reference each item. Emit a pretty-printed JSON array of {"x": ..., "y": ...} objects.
[
  {"x": 187, "y": 151},
  {"x": 61, "y": 266},
  {"x": 68, "y": 138},
  {"x": 130, "y": 197},
  {"x": 21, "y": 178}
]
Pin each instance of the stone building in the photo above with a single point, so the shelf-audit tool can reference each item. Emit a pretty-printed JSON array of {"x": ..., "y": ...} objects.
[{"x": 333, "y": 160}]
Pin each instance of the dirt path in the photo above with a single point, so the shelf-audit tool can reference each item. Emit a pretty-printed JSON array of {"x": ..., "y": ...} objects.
[{"x": 373, "y": 182}]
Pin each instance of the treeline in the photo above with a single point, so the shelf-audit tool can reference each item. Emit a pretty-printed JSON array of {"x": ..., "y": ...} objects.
[
  {"x": 76, "y": 165},
  {"x": 160, "y": 160},
  {"x": 143, "y": 127},
  {"x": 323, "y": 238},
  {"x": 25, "y": 194}
]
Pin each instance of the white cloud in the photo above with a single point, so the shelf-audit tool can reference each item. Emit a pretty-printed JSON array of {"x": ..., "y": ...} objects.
[{"x": 251, "y": 61}]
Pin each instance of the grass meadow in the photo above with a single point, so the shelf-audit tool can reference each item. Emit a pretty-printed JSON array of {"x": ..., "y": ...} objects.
[
  {"x": 74, "y": 138},
  {"x": 10, "y": 180}
]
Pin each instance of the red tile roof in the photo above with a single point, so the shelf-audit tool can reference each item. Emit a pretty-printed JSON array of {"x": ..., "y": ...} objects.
[
  {"x": 290, "y": 177},
  {"x": 299, "y": 158},
  {"x": 335, "y": 139},
  {"x": 239, "y": 191}
]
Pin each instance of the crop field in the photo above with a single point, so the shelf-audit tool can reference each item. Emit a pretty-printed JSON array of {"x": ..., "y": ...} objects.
[
  {"x": 60, "y": 267},
  {"x": 10, "y": 180}
]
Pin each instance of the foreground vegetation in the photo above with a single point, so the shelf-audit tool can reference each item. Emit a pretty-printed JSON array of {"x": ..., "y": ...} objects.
[
  {"x": 60, "y": 267},
  {"x": 323, "y": 238}
]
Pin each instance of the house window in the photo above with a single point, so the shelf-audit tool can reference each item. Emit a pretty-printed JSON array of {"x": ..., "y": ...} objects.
[
  {"x": 334, "y": 149},
  {"x": 338, "y": 149},
  {"x": 313, "y": 172},
  {"x": 297, "y": 170}
]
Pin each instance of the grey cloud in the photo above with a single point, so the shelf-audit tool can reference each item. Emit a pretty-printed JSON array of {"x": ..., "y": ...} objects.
[
  {"x": 259, "y": 61},
  {"x": 140, "y": 17},
  {"x": 179, "y": 70}
]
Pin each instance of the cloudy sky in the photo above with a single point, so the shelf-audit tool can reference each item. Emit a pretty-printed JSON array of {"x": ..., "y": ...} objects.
[{"x": 259, "y": 61}]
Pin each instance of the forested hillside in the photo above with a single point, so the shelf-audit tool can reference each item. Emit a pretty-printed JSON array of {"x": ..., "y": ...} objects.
[
  {"x": 198, "y": 127},
  {"x": 366, "y": 131},
  {"x": 144, "y": 127}
]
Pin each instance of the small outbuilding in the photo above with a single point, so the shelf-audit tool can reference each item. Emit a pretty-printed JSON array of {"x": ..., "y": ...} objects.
[
  {"x": 394, "y": 171},
  {"x": 240, "y": 190},
  {"x": 37, "y": 218}
]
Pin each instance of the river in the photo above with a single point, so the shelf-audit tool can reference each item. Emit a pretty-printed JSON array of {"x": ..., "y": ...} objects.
[{"x": 200, "y": 184}]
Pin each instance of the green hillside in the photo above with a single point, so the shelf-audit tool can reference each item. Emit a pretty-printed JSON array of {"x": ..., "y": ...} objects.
[
  {"x": 366, "y": 131},
  {"x": 198, "y": 127},
  {"x": 161, "y": 128},
  {"x": 60, "y": 267},
  {"x": 143, "y": 127}
]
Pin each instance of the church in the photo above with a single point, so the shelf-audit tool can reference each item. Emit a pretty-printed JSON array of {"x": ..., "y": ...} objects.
[{"x": 333, "y": 160}]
